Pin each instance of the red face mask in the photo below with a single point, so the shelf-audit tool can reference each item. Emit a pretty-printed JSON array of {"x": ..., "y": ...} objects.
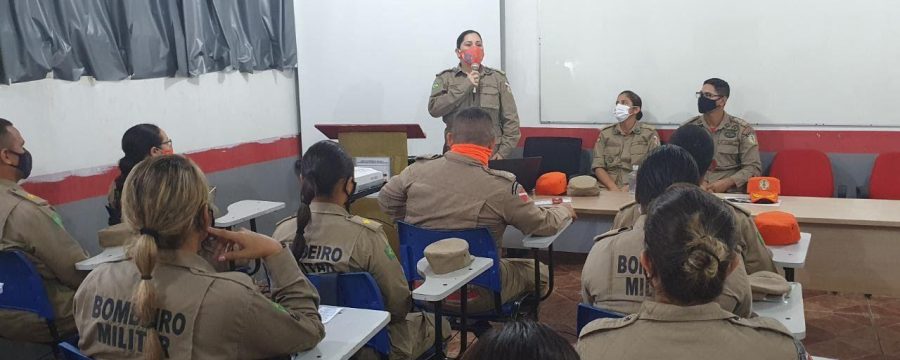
[
  {"x": 473, "y": 55},
  {"x": 168, "y": 151}
]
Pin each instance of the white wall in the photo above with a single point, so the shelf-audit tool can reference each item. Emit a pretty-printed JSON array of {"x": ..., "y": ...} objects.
[
  {"x": 374, "y": 61},
  {"x": 79, "y": 125}
]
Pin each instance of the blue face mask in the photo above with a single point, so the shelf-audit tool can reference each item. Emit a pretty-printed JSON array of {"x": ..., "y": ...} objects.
[{"x": 25, "y": 163}]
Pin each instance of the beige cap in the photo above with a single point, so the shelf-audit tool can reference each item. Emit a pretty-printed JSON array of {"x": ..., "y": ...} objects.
[
  {"x": 583, "y": 185},
  {"x": 116, "y": 235},
  {"x": 766, "y": 284},
  {"x": 448, "y": 255}
]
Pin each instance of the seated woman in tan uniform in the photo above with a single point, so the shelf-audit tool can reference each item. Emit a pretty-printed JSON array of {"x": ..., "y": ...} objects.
[
  {"x": 325, "y": 238},
  {"x": 138, "y": 143},
  {"x": 689, "y": 251},
  {"x": 623, "y": 144},
  {"x": 166, "y": 301}
]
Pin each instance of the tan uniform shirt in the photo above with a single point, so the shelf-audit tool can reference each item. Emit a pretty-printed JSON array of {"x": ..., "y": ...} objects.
[
  {"x": 757, "y": 257},
  {"x": 457, "y": 192},
  {"x": 613, "y": 278},
  {"x": 737, "y": 152},
  {"x": 32, "y": 226},
  {"x": 452, "y": 92},
  {"x": 616, "y": 152},
  {"x": 202, "y": 314},
  {"x": 339, "y": 242},
  {"x": 662, "y": 331}
]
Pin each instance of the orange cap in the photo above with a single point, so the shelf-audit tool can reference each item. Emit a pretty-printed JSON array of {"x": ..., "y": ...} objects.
[
  {"x": 764, "y": 189},
  {"x": 551, "y": 183},
  {"x": 778, "y": 228}
]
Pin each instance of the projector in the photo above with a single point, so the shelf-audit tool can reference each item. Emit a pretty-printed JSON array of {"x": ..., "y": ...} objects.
[{"x": 367, "y": 178}]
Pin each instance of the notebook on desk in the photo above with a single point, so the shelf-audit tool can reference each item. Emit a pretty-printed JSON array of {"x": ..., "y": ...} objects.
[{"x": 526, "y": 170}]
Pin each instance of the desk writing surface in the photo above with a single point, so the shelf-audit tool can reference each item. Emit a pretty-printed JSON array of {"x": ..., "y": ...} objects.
[
  {"x": 837, "y": 211},
  {"x": 346, "y": 333}
]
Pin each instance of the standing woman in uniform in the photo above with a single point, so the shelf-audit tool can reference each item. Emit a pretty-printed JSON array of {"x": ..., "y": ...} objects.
[
  {"x": 471, "y": 84},
  {"x": 689, "y": 250},
  {"x": 138, "y": 143},
  {"x": 623, "y": 144},
  {"x": 325, "y": 238},
  {"x": 166, "y": 301}
]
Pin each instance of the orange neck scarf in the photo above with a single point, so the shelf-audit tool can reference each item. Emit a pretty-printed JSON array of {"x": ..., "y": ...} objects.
[{"x": 480, "y": 153}]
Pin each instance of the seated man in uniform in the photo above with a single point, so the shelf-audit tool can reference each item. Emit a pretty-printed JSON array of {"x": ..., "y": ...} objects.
[
  {"x": 613, "y": 278},
  {"x": 750, "y": 245},
  {"x": 737, "y": 153},
  {"x": 32, "y": 226},
  {"x": 459, "y": 191}
]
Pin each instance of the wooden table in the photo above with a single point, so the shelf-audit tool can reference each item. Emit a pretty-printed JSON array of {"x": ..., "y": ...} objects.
[{"x": 857, "y": 241}]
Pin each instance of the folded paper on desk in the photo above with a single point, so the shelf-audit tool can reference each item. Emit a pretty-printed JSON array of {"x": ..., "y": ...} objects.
[
  {"x": 328, "y": 312},
  {"x": 553, "y": 201}
]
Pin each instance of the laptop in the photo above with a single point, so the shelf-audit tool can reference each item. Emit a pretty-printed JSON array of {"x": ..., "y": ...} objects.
[{"x": 526, "y": 170}]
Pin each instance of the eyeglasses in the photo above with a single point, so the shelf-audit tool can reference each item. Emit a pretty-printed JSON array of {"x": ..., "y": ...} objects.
[
  {"x": 166, "y": 142},
  {"x": 707, "y": 95}
]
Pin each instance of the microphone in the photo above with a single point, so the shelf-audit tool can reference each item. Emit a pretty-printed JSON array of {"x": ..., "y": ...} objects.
[{"x": 476, "y": 67}]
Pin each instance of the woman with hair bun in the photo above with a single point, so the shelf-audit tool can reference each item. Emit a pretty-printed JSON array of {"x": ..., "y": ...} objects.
[{"x": 689, "y": 250}]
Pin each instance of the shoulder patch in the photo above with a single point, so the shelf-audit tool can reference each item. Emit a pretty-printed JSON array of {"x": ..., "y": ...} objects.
[
  {"x": 628, "y": 205},
  {"x": 761, "y": 323},
  {"x": 600, "y": 325},
  {"x": 285, "y": 220},
  {"x": 370, "y": 224},
  {"x": 737, "y": 208},
  {"x": 611, "y": 233},
  {"x": 28, "y": 196}
]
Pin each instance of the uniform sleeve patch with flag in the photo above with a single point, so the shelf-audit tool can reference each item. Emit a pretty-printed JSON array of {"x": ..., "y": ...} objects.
[{"x": 389, "y": 252}]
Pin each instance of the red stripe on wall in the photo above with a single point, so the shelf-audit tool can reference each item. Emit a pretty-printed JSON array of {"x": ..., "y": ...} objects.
[
  {"x": 75, "y": 188},
  {"x": 848, "y": 142}
]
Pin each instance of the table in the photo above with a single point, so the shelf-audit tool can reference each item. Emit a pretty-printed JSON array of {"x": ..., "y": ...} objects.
[
  {"x": 244, "y": 210},
  {"x": 791, "y": 257},
  {"x": 856, "y": 239},
  {"x": 346, "y": 333},
  {"x": 789, "y": 312},
  {"x": 110, "y": 254},
  {"x": 438, "y": 287}
]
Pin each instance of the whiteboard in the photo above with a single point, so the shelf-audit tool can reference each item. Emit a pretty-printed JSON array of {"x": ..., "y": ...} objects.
[
  {"x": 373, "y": 62},
  {"x": 789, "y": 63}
]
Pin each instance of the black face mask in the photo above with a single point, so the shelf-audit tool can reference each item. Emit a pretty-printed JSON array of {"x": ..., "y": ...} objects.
[
  {"x": 25, "y": 163},
  {"x": 350, "y": 194},
  {"x": 705, "y": 105}
]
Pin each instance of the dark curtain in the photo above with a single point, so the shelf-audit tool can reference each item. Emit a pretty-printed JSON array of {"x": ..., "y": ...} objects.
[{"x": 116, "y": 39}]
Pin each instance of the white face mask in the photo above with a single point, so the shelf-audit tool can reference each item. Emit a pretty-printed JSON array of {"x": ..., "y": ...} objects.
[{"x": 622, "y": 112}]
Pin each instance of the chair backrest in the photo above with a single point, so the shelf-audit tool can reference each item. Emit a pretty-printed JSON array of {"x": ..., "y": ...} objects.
[
  {"x": 587, "y": 313},
  {"x": 803, "y": 173},
  {"x": 21, "y": 287},
  {"x": 70, "y": 351},
  {"x": 885, "y": 172},
  {"x": 356, "y": 290},
  {"x": 561, "y": 154},
  {"x": 413, "y": 241}
]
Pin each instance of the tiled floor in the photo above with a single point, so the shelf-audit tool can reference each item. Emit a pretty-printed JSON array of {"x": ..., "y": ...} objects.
[{"x": 838, "y": 326}]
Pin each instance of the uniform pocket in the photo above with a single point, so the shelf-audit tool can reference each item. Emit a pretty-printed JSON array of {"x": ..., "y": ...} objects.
[
  {"x": 490, "y": 97},
  {"x": 729, "y": 147},
  {"x": 638, "y": 151}
]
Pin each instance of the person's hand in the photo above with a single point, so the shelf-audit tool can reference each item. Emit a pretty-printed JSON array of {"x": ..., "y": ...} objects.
[
  {"x": 720, "y": 186},
  {"x": 568, "y": 206},
  {"x": 474, "y": 77},
  {"x": 621, "y": 189},
  {"x": 250, "y": 245}
]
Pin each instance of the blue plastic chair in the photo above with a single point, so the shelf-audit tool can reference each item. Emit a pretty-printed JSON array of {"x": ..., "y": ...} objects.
[
  {"x": 22, "y": 289},
  {"x": 587, "y": 313},
  {"x": 70, "y": 350},
  {"x": 356, "y": 290},
  {"x": 413, "y": 241}
]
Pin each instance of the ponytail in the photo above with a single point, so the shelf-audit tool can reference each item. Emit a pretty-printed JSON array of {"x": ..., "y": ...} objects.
[
  {"x": 144, "y": 253},
  {"x": 304, "y": 215}
]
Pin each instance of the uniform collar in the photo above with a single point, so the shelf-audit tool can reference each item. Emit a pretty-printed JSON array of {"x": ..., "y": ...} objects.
[
  {"x": 460, "y": 158},
  {"x": 457, "y": 70},
  {"x": 327, "y": 208},
  {"x": 184, "y": 259},
  {"x": 635, "y": 130},
  {"x": 725, "y": 121},
  {"x": 8, "y": 183},
  {"x": 652, "y": 310}
]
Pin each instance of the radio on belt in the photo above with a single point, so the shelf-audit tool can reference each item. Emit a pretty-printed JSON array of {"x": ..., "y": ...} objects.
[{"x": 367, "y": 178}]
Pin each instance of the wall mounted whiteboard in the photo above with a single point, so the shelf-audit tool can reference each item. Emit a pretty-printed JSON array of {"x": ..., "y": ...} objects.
[
  {"x": 373, "y": 62},
  {"x": 789, "y": 63}
]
